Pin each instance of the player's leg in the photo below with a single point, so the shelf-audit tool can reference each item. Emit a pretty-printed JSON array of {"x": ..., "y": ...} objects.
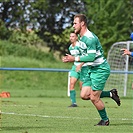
[
  {"x": 98, "y": 103},
  {"x": 99, "y": 76},
  {"x": 80, "y": 85},
  {"x": 112, "y": 94},
  {"x": 74, "y": 76},
  {"x": 85, "y": 93},
  {"x": 85, "y": 78},
  {"x": 105, "y": 94},
  {"x": 73, "y": 81},
  {"x": 86, "y": 89}
]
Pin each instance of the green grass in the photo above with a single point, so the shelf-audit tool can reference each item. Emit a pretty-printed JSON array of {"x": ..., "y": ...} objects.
[
  {"x": 51, "y": 115},
  {"x": 14, "y": 61},
  {"x": 32, "y": 80},
  {"x": 39, "y": 101}
]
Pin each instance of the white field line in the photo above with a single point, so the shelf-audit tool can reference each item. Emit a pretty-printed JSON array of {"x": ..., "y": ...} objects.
[
  {"x": 20, "y": 105},
  {"x": 59, "y": 117},
  {"x": 43, "y": 116}
]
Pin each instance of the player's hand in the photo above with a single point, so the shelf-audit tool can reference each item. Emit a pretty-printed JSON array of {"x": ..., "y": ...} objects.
[
  {"x": 78, "y": 68},
  {"x": 125, "y": 52},
  {"x": 70, "y": 58},
  {"x": 64, "y": 59}
]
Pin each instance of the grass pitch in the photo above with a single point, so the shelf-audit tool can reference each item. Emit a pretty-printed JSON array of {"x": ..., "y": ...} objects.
[
  {"x": 39, "y": 104},
  {"x": 51, "y": 115}
]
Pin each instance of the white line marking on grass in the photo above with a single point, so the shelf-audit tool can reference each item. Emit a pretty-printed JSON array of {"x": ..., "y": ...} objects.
[
  {"x": 43, "y": 116},
  {"x": 20, "y": 105},
  {"x": 60, "y": 117}
]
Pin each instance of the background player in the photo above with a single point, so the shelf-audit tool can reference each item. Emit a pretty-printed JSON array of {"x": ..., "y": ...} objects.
[{"x": 75, "y": 72}]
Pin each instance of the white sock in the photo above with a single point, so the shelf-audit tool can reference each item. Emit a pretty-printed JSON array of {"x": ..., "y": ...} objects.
[{"x": 110, "y": 94}]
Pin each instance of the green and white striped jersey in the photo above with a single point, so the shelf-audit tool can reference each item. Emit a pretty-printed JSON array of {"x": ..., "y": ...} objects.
[
  {"x": 91, "y": 49},
  {"x": 74, "y": 50},
  {"x": 77, "y": 51}
]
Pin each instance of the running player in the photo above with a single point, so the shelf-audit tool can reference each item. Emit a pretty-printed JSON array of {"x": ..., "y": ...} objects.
[
  {"x": 99, "y": 69},
  {"x": 79, "y": 71}
]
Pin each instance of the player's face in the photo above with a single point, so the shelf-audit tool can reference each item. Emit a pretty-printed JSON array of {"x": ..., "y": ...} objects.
[
  {"x": 73, "y": 37},
  {"x": 77, "y": 25}
]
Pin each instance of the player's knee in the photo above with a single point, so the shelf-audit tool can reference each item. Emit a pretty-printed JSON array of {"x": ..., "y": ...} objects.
[
  {"x": 72, "y": 86},
  {"x": 85, "y": 93},
  {"x": 94, "y": 100},
  {"x": 85, "y": 97}
]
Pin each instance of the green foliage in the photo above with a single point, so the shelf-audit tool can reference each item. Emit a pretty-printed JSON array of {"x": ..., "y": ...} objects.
[
  {"x": 26, "y": 38},
  {"x": 61, "y": 41},
  {"x": 110, "y": 20},
  {"x": 57, "y": 14},
  {"x": 7, "y": 48},
  {"x": 4, "y": 32},
  {"x": 45, "y": 16}
]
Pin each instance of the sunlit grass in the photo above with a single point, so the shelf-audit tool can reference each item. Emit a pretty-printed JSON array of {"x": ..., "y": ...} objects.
[{"x": 51, "y": 115}]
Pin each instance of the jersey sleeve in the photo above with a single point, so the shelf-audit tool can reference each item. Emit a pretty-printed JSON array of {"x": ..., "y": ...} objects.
[
  {"x": 91, "y": 50},
  {"x": 132, "y": 54}
]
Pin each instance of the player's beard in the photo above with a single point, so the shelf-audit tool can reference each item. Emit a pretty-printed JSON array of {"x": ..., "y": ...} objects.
[{"x": 77, "y": 31}]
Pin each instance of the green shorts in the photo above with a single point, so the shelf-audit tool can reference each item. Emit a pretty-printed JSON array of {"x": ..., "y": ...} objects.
[
  {"x": 80, "y": 74},
  {"x": 97, "y": 76}
]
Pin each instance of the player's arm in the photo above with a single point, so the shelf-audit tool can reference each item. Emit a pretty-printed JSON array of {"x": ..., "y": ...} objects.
[
  {"x": 126, "y": 52},
  {"x": 89, "y": 56},
  {"x": 91, "y": 52},
  {"x": 78, "y": 67},
  {"x": 86, "y": 58}
]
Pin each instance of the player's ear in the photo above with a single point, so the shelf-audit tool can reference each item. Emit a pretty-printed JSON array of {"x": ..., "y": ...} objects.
[{"x": 82, "y": 23}]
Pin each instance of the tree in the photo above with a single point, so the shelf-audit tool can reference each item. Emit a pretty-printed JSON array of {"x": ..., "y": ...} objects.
[
  {"x": 14, "y": 13},
  {"x": 111, "y": 20},
  {"x": 50, "y": 16},
  {"x": 61, "y": 41},
  {"x": 54, "y": 17},
  {"x": 4, "y": 33}
]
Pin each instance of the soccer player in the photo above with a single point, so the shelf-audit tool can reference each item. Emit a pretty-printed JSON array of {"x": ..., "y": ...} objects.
[
  {"x": 75, "y": 73},
  {"x": 127, "y": 52},
  {"x": 99, "y": 69},
  {"x": 79, "y": 71}
]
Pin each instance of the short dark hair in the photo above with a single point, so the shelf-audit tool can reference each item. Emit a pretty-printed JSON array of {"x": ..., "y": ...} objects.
[
  {"x": 81, "y": 17},
  {"x": 74, "y": 33}
]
